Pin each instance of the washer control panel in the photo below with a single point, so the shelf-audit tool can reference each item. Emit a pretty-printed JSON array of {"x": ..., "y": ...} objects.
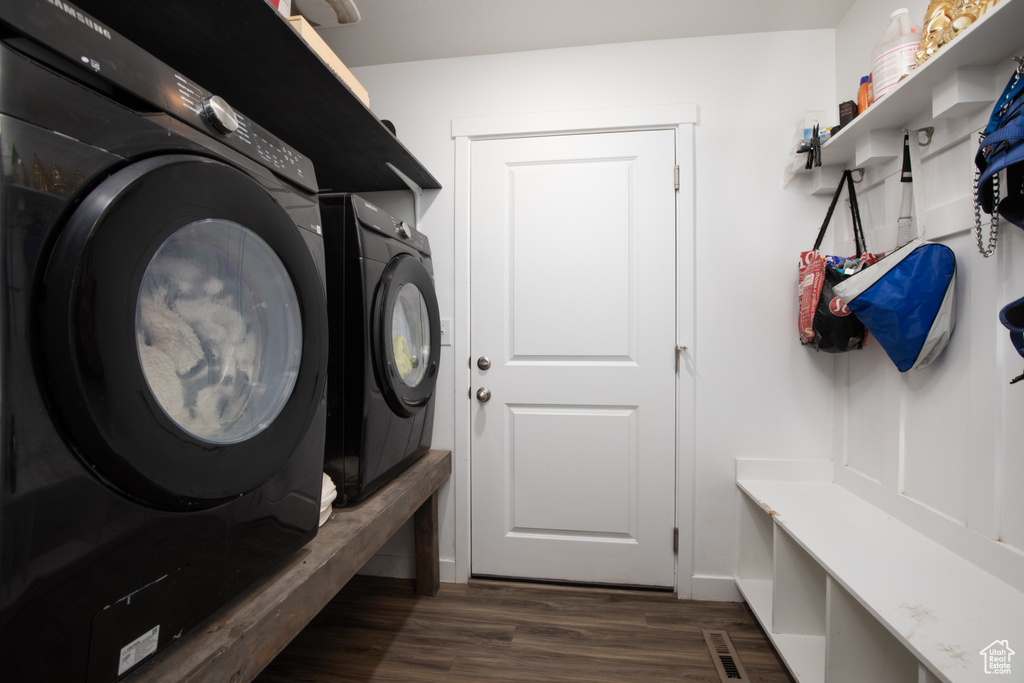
[{"x": 87, "y": 42}]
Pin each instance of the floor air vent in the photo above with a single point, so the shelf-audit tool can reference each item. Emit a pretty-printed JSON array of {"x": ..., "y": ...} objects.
[{"x": 724, "y": 655}]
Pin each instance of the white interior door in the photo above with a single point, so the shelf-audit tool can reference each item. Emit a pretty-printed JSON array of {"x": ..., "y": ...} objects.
[{"x": 573, "y": 303}]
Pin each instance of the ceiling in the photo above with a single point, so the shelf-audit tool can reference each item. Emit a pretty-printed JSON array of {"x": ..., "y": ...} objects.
[{"x": 410, "y": 30}]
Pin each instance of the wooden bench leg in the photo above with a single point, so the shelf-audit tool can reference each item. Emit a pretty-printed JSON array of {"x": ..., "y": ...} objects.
[{"x": 428, "y": 573}]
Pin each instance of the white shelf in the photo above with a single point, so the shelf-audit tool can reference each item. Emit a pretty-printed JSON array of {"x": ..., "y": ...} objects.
[
  {"x": 755, "y": 556},
  {"x": 803, "y": 655},
  {"x": 758, "y": 595},
  {"x": 903, "y": 596},
  {"x": 799, "y": 603},
  {"x": 987, "y": 43},
  {"x": 857, "y": 649},
  {"x": 785, "y": 589}
]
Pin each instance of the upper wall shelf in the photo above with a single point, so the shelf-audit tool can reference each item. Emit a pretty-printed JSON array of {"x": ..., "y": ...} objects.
[
  {"x": 246, "y": 52},
  {"x": 989, "y": 42}
]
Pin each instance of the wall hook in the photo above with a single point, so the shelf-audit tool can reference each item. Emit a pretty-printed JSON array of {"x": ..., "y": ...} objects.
[{"x": 860, "y": 174}]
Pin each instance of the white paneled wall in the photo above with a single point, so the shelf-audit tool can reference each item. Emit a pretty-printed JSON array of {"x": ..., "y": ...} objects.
[
  {"x": 940, "y": 447},
  {"x": 936, "y": 447}
]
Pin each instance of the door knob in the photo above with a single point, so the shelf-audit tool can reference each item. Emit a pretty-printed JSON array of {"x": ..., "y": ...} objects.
[
  {"x": 483, "y": 362},
  {"x": 483, "y": 394}
]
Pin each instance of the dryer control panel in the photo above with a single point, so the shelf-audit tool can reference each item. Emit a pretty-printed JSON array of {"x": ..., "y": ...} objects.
[
  {"x": 86, "y": 42},
  {"x": 376, "y": 218}
]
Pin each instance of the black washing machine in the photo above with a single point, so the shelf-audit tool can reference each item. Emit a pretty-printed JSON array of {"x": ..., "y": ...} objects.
[
  {"x": 163, "y": 350},
  {"x": 385, "y": 345}
]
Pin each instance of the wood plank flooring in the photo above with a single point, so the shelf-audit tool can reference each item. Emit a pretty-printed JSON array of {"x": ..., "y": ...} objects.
[{"x": 378, "y": 629}]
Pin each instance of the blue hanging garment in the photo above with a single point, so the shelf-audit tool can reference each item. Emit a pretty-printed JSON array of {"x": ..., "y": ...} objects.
[
  {"x": 1002, "y": 148},
  {"x": 907, "y": 300},
  {"x": 1012, "y": 318}
]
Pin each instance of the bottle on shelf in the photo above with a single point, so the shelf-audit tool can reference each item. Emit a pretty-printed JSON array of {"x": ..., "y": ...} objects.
[
  {"x": 893, "y": 56},
  {"x": 862, "y": 95}
]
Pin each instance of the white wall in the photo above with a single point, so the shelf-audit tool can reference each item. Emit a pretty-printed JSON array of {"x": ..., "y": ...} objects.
[{"x": 758, "y": 390}]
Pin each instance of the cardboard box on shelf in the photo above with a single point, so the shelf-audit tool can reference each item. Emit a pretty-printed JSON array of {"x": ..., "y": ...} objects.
[{"x": 317, "y": 44}]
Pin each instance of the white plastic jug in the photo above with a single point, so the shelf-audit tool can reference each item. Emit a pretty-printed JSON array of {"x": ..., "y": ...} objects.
[{"x": 893, "y": 56}]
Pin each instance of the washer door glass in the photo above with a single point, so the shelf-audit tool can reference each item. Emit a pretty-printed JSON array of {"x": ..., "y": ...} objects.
[
  {"x": 410, "y": 335},
  {"x": 218, "y": 330}
]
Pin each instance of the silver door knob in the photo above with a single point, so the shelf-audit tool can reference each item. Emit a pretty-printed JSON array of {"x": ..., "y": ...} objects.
[
  {"x": 483, "y": 394},
  {"x": 483, "y": 362}
]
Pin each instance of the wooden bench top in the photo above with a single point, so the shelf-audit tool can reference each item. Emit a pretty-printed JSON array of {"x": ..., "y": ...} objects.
[{"x": 237, "y": 642}]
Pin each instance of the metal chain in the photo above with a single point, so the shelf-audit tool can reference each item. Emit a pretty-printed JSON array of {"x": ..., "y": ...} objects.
[{"x": 993, "y": 233}]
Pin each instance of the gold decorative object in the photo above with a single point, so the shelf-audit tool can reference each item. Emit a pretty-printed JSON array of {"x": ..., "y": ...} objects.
[
  {"x": 944, "y": 20},
  {"x": 965, "y": 13},
  {"x": 936, "y": 19}
]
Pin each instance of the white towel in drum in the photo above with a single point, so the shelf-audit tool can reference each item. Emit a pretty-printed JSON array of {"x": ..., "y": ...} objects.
[{"x": 196, "y": 348}]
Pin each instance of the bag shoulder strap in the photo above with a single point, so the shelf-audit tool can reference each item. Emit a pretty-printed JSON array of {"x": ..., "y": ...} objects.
[
  {"x": 910, "y": 228},
  {"x": 858, "y": 227},
  {"x": 858, "y": 230}
]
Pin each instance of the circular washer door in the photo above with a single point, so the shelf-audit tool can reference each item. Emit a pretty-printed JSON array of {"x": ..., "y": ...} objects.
[
  {"x": 406, "y": 335},
  {"x": 182, "y": 332}
]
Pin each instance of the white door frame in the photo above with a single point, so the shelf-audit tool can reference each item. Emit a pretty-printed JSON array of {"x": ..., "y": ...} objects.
[{"x": 680, "y": 117}]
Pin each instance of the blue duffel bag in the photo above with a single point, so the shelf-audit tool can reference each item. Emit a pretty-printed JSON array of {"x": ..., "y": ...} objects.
[{"x": 907, "y": 300}]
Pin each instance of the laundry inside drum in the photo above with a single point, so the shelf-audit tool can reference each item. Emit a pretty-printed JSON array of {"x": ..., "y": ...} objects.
[
  {"x": 218, "y": 331},
  {"x": 410, "y": 335}
]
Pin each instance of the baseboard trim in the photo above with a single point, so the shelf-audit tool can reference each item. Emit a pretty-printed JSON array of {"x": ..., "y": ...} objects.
[{"x": 716, "y": 588}]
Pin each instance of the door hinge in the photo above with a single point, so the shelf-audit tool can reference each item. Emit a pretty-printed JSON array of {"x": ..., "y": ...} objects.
[
  {"x": 675, "y": 540},
  {"x": 675, "y": 175},
  {"x": 679, "y": 352}
]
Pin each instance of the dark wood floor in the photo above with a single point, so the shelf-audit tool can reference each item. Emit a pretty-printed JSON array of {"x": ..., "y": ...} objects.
[{"x": 379, "y": 630}]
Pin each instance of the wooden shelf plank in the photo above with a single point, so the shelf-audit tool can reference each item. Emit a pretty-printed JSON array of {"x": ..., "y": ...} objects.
[
  {"x": 246, "y": 52},
  {"x": 941, "y": 607},
  {"x": 237, "y": 642}
]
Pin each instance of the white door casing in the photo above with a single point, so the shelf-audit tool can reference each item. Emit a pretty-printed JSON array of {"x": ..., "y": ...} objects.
[{"x": 583, "y": 260}]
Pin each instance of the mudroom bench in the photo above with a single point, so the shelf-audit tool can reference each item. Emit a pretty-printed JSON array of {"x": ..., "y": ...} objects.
[
  {"x": 239, "y": 641},
  {"x": 848, "y": 593}
]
